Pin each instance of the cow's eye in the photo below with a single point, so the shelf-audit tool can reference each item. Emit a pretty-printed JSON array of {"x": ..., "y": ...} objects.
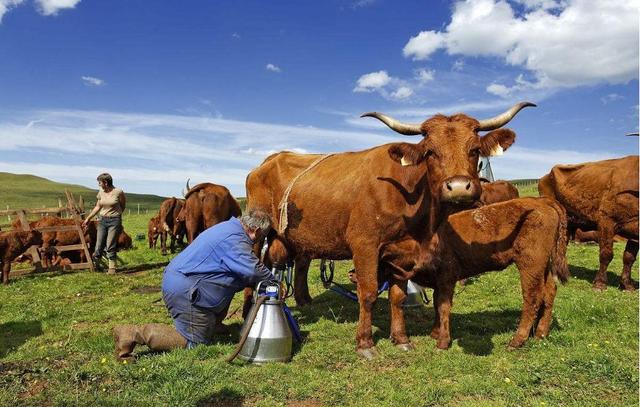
[{"x": 429, "y": 154}]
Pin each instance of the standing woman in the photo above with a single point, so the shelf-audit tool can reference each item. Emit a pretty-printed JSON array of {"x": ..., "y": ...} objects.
[{"x": 111, "y": 203}]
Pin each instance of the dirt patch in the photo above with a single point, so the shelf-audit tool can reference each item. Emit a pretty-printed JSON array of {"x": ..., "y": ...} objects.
[
  {"x": 146, "y": 289},
  {"x": 33, "y": 389}
]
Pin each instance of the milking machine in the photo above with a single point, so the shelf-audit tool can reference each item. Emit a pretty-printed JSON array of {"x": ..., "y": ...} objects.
[
  {"x": 416, "y": 295},
  {"x": 269, "y": 329}
]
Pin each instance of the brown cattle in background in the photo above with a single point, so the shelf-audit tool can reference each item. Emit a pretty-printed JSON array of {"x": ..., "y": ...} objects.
[
  {"x": 354, "y": 204},
  {"x": 528, "y": 232},
  {"x": 497, "y": 191},
  {"x": 206, "y": 204},
  {"x": 603, "y": 196},
  {"x": 169, "y": 211},
  {"x": 12, "y": 245},
  {"x": 153, "y": 231},
  {"x": 51, "y": 239}
]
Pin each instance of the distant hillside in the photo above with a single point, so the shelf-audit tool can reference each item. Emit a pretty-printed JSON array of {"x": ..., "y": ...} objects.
[{"x": 29, "y": 191}]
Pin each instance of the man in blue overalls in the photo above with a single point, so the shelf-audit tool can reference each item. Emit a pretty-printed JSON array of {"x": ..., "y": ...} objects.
[{"x": 199, "y": 283}]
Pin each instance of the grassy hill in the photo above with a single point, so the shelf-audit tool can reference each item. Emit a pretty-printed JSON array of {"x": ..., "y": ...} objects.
[{"x": 29, "y": 191}]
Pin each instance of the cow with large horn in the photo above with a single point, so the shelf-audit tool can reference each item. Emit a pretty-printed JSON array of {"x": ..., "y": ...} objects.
[{"x": 352, "y": 205}]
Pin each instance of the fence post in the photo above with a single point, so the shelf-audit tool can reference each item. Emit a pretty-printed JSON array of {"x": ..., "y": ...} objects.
[
  {"x": 8, "y": 216},
  {"x": 138, "y": 209}
]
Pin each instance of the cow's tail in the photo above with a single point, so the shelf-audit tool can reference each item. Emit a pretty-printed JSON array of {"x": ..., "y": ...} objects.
[{"x": 558, "y": 259}]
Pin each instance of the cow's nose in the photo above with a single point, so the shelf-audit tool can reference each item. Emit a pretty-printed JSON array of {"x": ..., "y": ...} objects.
[{"x": 459, "y": 189}]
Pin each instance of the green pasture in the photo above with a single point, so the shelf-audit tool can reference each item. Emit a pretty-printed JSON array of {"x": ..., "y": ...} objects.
[{"x": 56, "y": 346}]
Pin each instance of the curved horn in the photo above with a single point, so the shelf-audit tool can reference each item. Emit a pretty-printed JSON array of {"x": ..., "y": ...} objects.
[
  {"x": 185, "y": 192},
  {"x": 504, "y": 118},
  {"x": 402, "y": 128},
  {"x": 632, "y": 134}
]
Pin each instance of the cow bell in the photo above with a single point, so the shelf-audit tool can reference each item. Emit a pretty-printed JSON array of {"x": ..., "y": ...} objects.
[
  {"x": 416, "y": 296},
  {"x": 270, "y": 338}
]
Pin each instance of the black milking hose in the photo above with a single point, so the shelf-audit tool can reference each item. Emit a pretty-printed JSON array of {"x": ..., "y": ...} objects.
[{"x": 248, "y": 323}]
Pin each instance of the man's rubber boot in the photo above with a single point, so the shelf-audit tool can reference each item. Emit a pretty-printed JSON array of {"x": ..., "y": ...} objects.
[
  {"x": 158, "y": 337},
  {"x": 125, "y": 340},
  {"x": 112, "y": 267},
  {"x": 162, "y": 337}
]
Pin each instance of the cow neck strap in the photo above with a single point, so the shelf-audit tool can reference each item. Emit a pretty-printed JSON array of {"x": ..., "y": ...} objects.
[{"x": 284, "y": 202}]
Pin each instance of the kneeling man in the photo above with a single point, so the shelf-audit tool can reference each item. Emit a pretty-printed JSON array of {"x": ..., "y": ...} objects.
[{"x": 199, "y": 283}]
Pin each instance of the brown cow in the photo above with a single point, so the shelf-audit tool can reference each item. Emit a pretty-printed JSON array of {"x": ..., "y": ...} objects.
[
  {"x": 51, "y": 239},
  {"x": 153, "y": 231},
  {"x": 124, "y": 241},
  {"x": 206, "y": 204},
  {"x": 528, "y": 232},
  {"x": 497, "y": 191},
  {"x": 169, "y": 211},
  {"x": 602, "y": 195},
  {"x": 352, "y": 205},
  {"x": 12, "y": 245}
]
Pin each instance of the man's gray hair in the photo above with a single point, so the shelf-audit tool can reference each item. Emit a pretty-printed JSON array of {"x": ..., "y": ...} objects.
[{"x": 256, "y": 219}]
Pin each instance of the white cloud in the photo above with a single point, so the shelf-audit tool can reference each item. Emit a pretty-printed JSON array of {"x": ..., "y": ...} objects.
[
  {"x": 362, "y": 3},
  {"x": 611, "y": 97},
  {"x": 372, "y": 81},
  {"x": 51, "y": 7},
  {"x": 423, "y": 45},
  {"x": 6, "y": 5},
  {"x": 579, "y": 42},
  {"x": 273, "y": 68},
  {"x": 423, "y": 75},
  {"x": 92, "y": 81},
  {"x": 402, "y": 92},
  {"x": 519, "y": 162},
  {"x": 148, "y": 145},
  {"x": 458, "y": 65}
]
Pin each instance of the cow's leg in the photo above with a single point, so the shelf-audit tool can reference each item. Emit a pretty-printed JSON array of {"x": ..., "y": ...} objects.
[
  {"x": 545, "y": 312},
  {"x": 605, "y": 238},
  {"x": 397, "y": 296},
  {"x": 6, "y": 268},
  {"x": 443, "y": 299},
  {"x": 163, "y": 242},
  {"x": 531, "y": 281},
  {"x": 628, "y": 258},
  {"x": 366, "y": 265},
  {"x": 172, "y": 246},
  {"x": 435, "y": 329},
  {"x": 300, "y": 285}
]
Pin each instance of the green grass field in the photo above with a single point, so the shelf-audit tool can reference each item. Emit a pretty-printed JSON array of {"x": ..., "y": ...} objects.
[{"x": 56, "y": 346}]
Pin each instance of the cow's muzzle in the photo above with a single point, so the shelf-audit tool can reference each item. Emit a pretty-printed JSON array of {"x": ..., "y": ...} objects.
[{"x": 459, "y": 189}]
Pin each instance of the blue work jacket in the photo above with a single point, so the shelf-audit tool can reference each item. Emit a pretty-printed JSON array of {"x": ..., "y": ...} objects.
[{"x": 216, "y": 265}]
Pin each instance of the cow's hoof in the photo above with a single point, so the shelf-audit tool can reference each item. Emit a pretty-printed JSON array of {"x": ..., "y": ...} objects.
[
  {"x": 443, "y": 345},
  {"x": 368, "y": 353},
  {"x": 406, "y": 347},
  {"x": 302, "y": 301},
  {"x": 629, "y": 286},
  {"x": 599, "y": 287},
  {"x": 514, "y": 344}
]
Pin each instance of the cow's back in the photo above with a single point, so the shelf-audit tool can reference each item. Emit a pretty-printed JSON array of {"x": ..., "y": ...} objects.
[
  {"x": 498, "y": 191},
  {"x": 590, "y": 190}
]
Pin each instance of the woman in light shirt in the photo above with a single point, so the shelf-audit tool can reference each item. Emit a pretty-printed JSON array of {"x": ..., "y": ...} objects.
[{"x": 110, "y": 204}]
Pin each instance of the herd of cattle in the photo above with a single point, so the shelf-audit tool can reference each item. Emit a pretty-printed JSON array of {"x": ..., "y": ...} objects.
[{"x": 421, "y": 211}]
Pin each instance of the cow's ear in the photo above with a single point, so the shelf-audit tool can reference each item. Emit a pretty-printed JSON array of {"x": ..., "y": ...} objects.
[
  {"x": 496, "y": 142},
  {"x": 406, "y": 154}
]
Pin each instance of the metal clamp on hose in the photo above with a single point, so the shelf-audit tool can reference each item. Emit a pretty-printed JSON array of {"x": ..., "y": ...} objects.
[{"x": 327, "y": 280}]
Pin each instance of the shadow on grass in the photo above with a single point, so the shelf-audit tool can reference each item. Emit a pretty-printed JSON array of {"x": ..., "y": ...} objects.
[
  {"x": 223, "y": 398},
  {"x": 583, "y": 273},
  {"x": 15, "y": 333},
  {"x": 473, "y": 330}
]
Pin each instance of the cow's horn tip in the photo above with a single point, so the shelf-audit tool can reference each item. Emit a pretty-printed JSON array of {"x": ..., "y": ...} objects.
[{"x": 369, "y": 114}]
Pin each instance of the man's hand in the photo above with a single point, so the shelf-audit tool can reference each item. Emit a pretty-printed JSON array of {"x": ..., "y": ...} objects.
[{"x": 85, "y": 225}]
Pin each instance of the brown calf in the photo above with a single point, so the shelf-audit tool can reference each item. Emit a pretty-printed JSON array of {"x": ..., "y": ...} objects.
[
  {"x": 528, "y": 232},
  {"x": 12, "y": 245},
  {"x": 153, "y": 231}
]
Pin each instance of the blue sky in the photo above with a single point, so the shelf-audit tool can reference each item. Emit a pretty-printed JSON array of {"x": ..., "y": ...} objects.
[{"x": 157, "y": 92}]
